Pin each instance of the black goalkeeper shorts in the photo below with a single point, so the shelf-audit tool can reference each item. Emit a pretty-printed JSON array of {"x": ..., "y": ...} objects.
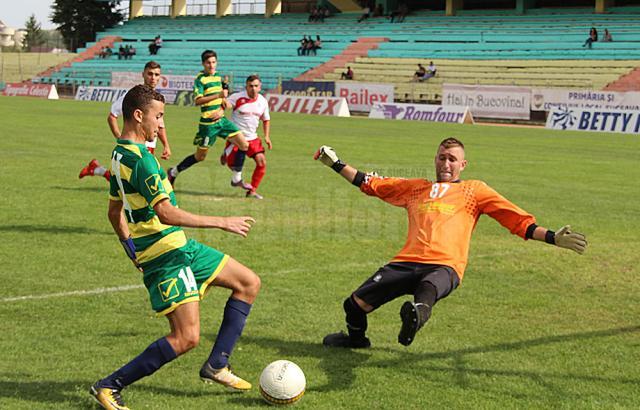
[{"x": 402, "y": 278}]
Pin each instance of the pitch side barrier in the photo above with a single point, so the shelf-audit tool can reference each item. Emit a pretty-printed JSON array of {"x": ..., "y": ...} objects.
[
  {"x": 111, "y": 94},
  {"x": 360, "y": 96},
  {"x": 594, "y": 119},
  {"x": 333, "y": 106},
  {"x": 48, "y": 91},
  {"x": 422, "y": 112}
]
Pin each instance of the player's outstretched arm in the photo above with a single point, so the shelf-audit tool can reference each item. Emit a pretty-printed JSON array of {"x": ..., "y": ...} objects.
[
  {"x": 170, "y": 215},
  {"x": 166, "y": 149},
  {"x": 564, "y": 238},
  {"x": 328, "y": 157},
  {"x": 113, "y": 125},
  {"x": 119, "y": 223}
]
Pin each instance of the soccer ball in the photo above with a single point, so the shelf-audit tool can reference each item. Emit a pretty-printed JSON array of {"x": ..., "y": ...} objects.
[{"x": 282, "y": 382}]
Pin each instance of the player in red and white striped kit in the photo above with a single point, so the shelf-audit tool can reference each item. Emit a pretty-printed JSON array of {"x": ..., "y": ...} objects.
[{"x": 249, "y": 108}]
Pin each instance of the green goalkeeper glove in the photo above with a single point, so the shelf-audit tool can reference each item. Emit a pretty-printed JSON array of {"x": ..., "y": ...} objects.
[
  {"x": 564, "y": 238},
  {"x": 326, "y": 155}
]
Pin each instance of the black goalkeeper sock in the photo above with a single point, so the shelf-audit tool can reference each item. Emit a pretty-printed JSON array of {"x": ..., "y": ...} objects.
[
  {"x": 356, "y": 318},
  {"x": 425, "y": 297},
  {"x": 187, "y": 162}
]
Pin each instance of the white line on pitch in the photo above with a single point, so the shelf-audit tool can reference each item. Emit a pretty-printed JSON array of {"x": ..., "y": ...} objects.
[
  {"x": 124, "y": 288},
  {"x": 73, "y": 293}
]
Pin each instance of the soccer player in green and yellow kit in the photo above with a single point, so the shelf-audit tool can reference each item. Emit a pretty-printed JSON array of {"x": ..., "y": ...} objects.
[
  {"x": 210, "y": 96},
  {"x": 177, "y": 272}
]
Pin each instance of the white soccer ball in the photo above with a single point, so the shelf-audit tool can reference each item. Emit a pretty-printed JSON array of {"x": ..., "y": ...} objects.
[{"x": 282, "y": 382}]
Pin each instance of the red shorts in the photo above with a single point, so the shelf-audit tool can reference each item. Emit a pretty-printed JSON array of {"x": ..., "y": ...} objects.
[{"x": 255, "y": 148}]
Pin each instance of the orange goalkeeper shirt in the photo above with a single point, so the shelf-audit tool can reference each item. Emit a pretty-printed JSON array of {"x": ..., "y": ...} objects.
[{"x": 442, "y": 216}]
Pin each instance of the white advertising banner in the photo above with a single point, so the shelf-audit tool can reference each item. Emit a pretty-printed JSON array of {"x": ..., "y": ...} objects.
[
  {"x": 126, "y": 79},
  {"x": 546, "y": 99},
  {"x": 308, "y": 105},
  {"x": 48, "y": 91},
  {"x": 113, "y": 93},
  {"x": 361, "y": 96},
  {"x": 490, "y": 101},
  {"x": 422, "y": 112},
  {"x": 109, "y": 94},
  {"x": 589, "y": 119}
]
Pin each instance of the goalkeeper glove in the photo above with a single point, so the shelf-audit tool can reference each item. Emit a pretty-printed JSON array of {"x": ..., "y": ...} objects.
[
  {"x": 130, "y": 250},
  {"x": 329, "y": 157},
  {"x": 564, "y": 238}
]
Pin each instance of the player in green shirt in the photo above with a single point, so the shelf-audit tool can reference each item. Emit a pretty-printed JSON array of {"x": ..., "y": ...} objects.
[
  {"x": 177, "y": 272},
  {"x": 209, "y": 94}
]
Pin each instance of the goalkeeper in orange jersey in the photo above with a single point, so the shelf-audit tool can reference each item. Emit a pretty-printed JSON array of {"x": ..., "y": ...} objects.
[{"x": 442, "y": 216}]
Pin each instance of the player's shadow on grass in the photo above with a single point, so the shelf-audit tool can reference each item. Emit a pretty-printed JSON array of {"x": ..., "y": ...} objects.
[
  {"x": 455, "y": 361},
  {"x": 75, "y": 393},
  {"x": 45, "y": 393},
  {"x": 332, "y": 361},
  {"x": 58, "y": 229}
]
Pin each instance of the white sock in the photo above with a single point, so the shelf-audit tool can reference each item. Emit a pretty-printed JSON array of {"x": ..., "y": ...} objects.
[
  {"x": 99, "y": 171},
  {"x": 173, "y": 172},
  {"x": 236, "y": 176}
]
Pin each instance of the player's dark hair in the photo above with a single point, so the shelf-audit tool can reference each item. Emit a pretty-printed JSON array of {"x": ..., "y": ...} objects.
[
  {"x": 451, "y": 142},
  {"x": 139, "y": 98},
  {"x": 206, "y": 54},
  {"x": 253, "y": 77},
  {"x": 151, "y": 65}
]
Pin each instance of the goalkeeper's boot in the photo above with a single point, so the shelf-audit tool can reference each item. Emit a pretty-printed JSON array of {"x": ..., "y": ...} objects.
[
  {"x": 108, "y": 398},
  {"x": 414, "y": 316},
  {"x": 341, "y": 339},
  {"x": 244, "y": 185},
  {"x": 224, "y": 376},
  {"x": 88, "y": 170}
]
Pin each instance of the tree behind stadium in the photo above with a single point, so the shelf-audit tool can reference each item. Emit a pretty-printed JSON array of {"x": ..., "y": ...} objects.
[
  {"x": 34, "y": 37},
  {"x": 80, "y": 20}
]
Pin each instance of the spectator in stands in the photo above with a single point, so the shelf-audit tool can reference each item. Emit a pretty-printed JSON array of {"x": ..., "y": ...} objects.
[
  {"x": 303, "y": 46},
  {"x": 607, "y": 36},
  {"x": 314, "y": 15},
  {"x": 317, "y": 45},
  {"x": 323, "y": 12},
  {"x": 152, "y": 48},
  {"x": 593, "y": 37},
  {"x": 106, "y": 52},
  {"x": 399, "y": 14},
  {"x": 309, "y": 47},
  {"x": 131, "y": 52},
  {"x": 420, "y": 73},
  {"x": 431, "y": 71},
  {"x": 366, "y": 11},
  {"x": 158, "y": 43},
  {"x": 326, "y": 13},
  {"x": 121, "y": 52},
  {"x": 379, "y": 10},
  {"x": 348, "y": 75}
]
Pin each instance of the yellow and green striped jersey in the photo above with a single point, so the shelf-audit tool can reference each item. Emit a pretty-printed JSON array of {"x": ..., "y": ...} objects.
[
  {"x": 138, "y": 180},
  {"x": 203, "y": 86}
]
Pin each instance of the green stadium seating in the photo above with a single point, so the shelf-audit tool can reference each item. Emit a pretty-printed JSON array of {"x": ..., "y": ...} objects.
[{"x": 461, "y": 46}]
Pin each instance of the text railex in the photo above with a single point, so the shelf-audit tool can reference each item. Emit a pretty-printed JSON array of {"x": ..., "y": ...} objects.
[
  {"x": 321, "y": 106},
  {"x": 362, "y": 96}
]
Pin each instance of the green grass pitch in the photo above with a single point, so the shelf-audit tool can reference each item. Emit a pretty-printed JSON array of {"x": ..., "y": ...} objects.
[{"x": 532, "y": 326}]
